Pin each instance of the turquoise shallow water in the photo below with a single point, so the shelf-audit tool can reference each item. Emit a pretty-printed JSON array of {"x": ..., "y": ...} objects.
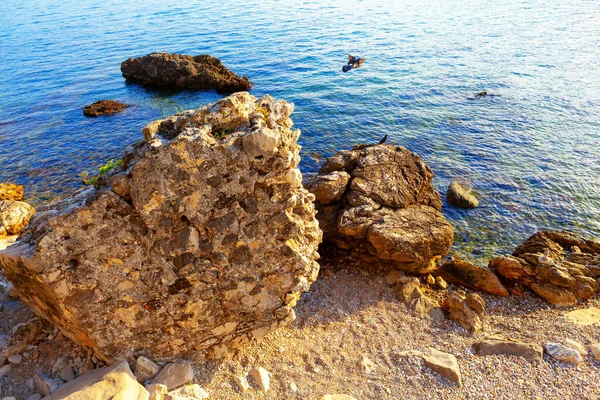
[{"x": 532, "y": 152}]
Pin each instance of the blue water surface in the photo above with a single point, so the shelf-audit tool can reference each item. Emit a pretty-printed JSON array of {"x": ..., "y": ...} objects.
[{"x": 532, "y": 152}]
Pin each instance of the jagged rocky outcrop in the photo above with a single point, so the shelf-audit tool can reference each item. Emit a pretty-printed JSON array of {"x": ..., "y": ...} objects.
[
  {"x": 184, "y": 72},
  {"x": 378, "y": 201},
  {"x": 558, "y": 266},
  {"x": 202, "y": 243},
  {"x": 104, "y": 107}
]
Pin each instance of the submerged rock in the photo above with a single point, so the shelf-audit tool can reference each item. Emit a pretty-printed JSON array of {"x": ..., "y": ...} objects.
[
  {"x": 104, "y": 107},
  {"x": 378, "y": 200},
  {"x": 460, "y": 196},
  {"x": 183, "y": 71},
  {"x": 558, "y": 266},
  {"x": 208, "y": 248}
]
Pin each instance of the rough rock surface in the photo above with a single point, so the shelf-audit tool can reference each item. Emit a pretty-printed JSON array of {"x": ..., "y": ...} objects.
[
  {"x": 460, "y": 196},
  {"x": 183, "y": 71},
  {"x": 104, "y": 107},
  {"x": 14, "y": 216},
  {"x": 114, "y": 382},
  {"x": 492, "y": 346},
  {"x": 10, "y": 191},
  {"x": 464, "y": 273},
  {"x": 388, "y": 208},
  {"x": 211, "y": 250},
  {"x": 466, "y": 309},
  {"x": 558, "y": 266}
]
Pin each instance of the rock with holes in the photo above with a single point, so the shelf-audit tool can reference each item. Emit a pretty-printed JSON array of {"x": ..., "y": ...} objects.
[
  {"x": 200, "y": 247},
  {"x": 378, "y": 200},
  {"x": 558, "y": 266},
  {"x": 184, "y": 72}
]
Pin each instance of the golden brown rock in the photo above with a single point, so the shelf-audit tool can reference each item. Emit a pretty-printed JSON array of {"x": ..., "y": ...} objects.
[
  {"x": 104, "y": 107},
  {"x": 199, "y": 260},
  {"x": 472, "y": 276},
  {"x": 10, "y": 191},
  {"x": 558, "y": 266}
]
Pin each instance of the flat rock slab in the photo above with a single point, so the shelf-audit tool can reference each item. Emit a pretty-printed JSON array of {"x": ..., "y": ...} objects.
[
  {"x": 445, "y": 364},
  {"x": 586, "y": 316},
  {"x": 114, "y": 382},
  {"x": 529, "y": 351}
]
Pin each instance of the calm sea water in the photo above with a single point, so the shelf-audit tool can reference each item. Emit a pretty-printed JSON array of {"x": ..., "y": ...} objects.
[{"x": 532, "y": 152}]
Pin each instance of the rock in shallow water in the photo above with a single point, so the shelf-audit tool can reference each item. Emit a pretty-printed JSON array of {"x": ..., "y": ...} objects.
[
  {"x": 183, "y": 71},
  {"x": 104, "y": 107},
  {"x": 460, "y": 196},
  {"x": 199, "y": 257},
  {"x": 558, "y": 266},
  {"x": 388, "y": 208}
]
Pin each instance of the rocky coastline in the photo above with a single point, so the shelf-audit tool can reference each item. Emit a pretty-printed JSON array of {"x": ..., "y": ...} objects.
[{"x": 203, "y": 266}]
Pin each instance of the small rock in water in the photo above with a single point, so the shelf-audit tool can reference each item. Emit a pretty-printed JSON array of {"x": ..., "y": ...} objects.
[
  {"x": 145, "y": 369},
  {"x": 366, "y": 365},
  {"x": 104, "y": 107},
  {"x": 461, "y": 196},
  {"x": 445, "y": 364},
  {"x": 261, "y": 377},
  {"x": 174, "y": 375},
  {"x": 242, "y": 382},
  {"x": 576, "y": 346},
  {"x": 563, "y": 353}
]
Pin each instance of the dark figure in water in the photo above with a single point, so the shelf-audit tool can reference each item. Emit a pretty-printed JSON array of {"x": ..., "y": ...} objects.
[
  {"x": 353, "y": 62},
  {"x": 482, "y": 95},
  {"x": 382, "y": 141}
]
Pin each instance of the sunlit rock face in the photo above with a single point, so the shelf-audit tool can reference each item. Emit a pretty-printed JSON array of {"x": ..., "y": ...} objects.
[
  {"x": 203, "y": 241},
  {"x": 378, "y": 201},
  {"x": 558, "y": 266}
]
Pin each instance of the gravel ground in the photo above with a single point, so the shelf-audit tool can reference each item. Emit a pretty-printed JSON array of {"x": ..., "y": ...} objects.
[{"x": 349, "y": 312}]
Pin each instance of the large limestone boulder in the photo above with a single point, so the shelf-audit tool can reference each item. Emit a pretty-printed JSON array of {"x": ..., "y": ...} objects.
[
  {"x": 558, "y": 266},
  {"x": 379, "y": 201},
  {"x": 198, "y": 248},
  {"x": 14, "y": 216},
  {"x": 183, "y": 71}
]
